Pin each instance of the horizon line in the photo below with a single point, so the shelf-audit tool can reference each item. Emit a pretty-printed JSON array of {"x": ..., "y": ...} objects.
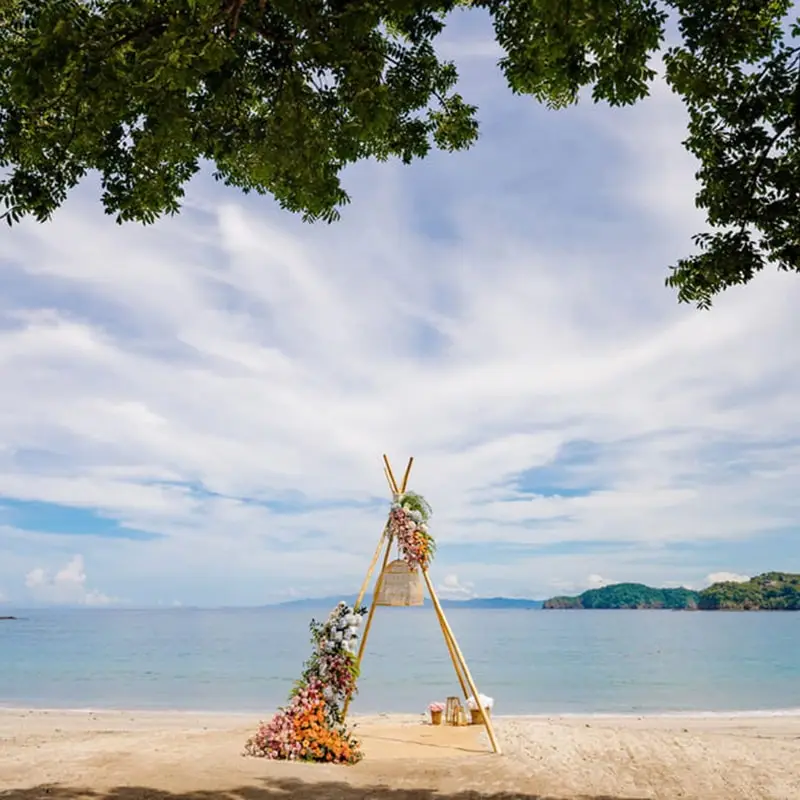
[{"x": 11, "y": 606}]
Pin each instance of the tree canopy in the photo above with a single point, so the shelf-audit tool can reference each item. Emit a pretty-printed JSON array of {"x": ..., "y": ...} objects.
[
  {"x": 628, "y": 595},
  {"x": 281, "y": 95},
  {"x": 772, "y": 591}
]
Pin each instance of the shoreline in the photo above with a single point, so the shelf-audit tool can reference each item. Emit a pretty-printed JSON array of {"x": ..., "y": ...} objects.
[{"x": 755, "y": 714}]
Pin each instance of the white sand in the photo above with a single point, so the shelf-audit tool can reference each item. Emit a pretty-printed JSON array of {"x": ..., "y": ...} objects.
[{"x": 182, "y": 756}]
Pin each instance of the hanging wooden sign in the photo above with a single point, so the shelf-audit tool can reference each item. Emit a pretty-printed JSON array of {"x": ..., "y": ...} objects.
[{"x": 399, "y": 586}]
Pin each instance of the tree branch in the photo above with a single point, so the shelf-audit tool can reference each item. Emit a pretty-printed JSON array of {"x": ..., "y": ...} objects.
[
  {"x": 762, "y": 159},
  {"x": 391, "y": 59},
  {"x": 233, "y": 9},
  {"x": 779, "y": 131}
]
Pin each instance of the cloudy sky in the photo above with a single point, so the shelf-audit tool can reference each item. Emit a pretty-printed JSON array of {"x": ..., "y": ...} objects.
[{"x": 195, "y": 412}]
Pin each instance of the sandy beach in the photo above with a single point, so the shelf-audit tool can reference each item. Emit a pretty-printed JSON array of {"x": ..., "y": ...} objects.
[{"x": 116, "y": 755}]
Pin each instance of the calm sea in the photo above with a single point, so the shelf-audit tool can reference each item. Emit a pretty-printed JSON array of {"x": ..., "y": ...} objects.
[{"x": 531, "y": 662}]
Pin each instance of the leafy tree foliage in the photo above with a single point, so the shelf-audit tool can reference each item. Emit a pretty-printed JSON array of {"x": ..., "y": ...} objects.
[
  {"x": 739, "y": 75},
  {"x": 281, "y": 95},
  {"x": 628, "y": 595}
]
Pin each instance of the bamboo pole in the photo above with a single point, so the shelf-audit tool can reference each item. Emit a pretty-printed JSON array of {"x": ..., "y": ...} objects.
[
  {"x": 392, "y": 481},
  {"x": 388, "y": 479},
  {"x": 450, "y": 650},
  {"x": 363, "y": 643},
  {"x": 472, "y": 687},
  {"x": 371, "y": 569},
  {"x": 404, "y": 484}
]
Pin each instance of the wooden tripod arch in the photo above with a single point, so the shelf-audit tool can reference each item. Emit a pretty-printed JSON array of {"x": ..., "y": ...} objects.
[{"x": 463, "y": 674}]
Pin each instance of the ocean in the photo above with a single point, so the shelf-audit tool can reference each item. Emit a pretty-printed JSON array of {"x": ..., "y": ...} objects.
[{"x": 530, "y": 662}]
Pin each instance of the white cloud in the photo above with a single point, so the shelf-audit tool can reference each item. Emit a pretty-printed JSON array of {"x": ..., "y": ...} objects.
[
  {"x": 452, "y": 588},
  {"x": 66, "y": 587},
  {"x": 579, "y": 585},
  {"x": 487, "y": 312},
  {"x": 597, "y": 582},
  {"x": 726, "y": 577}
]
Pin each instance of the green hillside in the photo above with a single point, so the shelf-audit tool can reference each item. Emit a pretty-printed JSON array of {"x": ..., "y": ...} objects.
[
  {"x": 627, "y": 595},
  {"x": 772, "y": 591}
]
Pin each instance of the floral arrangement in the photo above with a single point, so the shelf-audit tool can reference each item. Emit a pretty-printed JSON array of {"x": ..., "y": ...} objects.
[
  {"x": 486, "y": 702},
  {"x": 436, "y": 707},
  {"x": 311, "y": 727},
  {"x": 408, "y": 525}
]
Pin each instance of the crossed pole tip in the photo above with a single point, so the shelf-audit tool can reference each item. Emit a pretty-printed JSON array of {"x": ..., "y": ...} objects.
[{"x": 393, "y": 485}]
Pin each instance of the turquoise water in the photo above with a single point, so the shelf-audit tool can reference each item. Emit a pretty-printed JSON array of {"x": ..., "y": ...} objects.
[{"x": 531, "y": 662}]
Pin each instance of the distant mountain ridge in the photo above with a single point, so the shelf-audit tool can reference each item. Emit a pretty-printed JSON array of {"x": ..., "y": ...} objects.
[
  {"x": 771, "y": 591},
  {"x": 473, "y": 602}
]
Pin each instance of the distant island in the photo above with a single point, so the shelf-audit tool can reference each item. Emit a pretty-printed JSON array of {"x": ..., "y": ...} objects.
[
  {"x": 628, "y": 595},
  {"x": 772, "y": 591}
]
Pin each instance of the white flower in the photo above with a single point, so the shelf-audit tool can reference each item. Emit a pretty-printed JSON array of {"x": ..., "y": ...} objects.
[{"x": 486, "y": 702}]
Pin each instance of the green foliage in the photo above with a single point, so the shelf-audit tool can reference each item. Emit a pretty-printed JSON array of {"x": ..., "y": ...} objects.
[
  {"x": 628, "y": 595},
  {"x": 281, "y": 95},
  {"x": 738, "y": 72},
  {"x": 278, "y": 95},
  {"x": 416, "y": 502},
  {"x": 772, "y": 591}
]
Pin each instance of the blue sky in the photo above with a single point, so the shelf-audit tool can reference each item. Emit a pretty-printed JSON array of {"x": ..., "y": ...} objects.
[{"x": 195, "y": 412}]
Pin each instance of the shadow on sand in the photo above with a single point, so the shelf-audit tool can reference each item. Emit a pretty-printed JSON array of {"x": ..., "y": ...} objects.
[{"x": 277, "y": 789}]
